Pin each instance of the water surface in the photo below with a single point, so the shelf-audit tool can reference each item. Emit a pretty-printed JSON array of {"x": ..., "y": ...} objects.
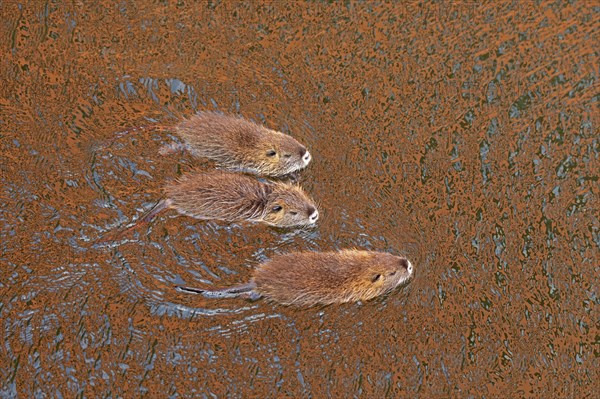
[{"x": 464, "y": 137}]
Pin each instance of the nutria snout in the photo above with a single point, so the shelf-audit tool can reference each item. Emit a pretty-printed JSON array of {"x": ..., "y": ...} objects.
[
  {"x": 311, "y": 278},
  {"x": 239, "y": 144}
]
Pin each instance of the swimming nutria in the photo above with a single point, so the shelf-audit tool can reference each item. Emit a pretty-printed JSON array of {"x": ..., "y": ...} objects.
[
  {"x": 239, "y": 144},
  {"x": 310, "y": 278},
  {"x": 233, "y": 197}
]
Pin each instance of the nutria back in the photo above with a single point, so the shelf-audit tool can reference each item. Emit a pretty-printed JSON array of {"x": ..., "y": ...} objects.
[
  {"x": 235, "y": 197},
  {"x": 240, "y": 144},
  {"x": 309, "y": 278}
]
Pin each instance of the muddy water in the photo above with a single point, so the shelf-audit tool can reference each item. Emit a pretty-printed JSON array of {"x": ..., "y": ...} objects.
[{"x": 464, "y": 137}]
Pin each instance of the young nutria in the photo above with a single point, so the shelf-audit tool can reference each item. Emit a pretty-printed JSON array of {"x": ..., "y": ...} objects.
[
  {"x": 311, "y": 278},
  {"x": 239, "y": 144},
  {"x": 233, "y": 197}
]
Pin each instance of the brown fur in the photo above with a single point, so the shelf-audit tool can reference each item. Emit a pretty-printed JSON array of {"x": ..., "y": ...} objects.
[
  {"x": 239, "y": 144},
  {"x": 311, "y": 278},
  {"x": 234, "y": 197}
]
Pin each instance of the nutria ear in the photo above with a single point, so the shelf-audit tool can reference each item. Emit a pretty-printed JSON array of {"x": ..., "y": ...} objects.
[
  {"x": 375, "y": 278},
  {"x": 276, "y": 208},
  {"x": 271, "y": 153}
]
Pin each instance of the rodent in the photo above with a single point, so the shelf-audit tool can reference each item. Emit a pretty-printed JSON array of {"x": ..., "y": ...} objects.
[
  {"x": 238, "y": 144},
  {"x": 311, "y": 278},
  {"x": 233, "y": 197}
]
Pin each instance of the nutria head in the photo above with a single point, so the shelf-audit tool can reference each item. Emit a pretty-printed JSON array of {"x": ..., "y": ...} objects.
[
  {"x": 279, "y": 154},
  {"x": 385, "y": 272},
  {"x": 288, "y": 206}
]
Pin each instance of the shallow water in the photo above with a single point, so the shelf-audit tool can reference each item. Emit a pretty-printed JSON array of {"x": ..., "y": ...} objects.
[{"x": 464, "y": 137}]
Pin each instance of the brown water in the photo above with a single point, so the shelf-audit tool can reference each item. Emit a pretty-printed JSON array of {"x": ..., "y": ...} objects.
[{"x": 464, "y": 137}]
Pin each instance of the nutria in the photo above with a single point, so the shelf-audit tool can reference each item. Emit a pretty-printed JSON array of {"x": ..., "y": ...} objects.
[
  {"x": 233, "y": 197},
  {"x": 238, "y": 144},
  {"x": 311, "y": 278}
]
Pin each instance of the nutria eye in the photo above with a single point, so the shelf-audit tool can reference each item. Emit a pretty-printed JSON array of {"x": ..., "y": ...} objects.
[
  {"x": 271, "y": 153},
  {"x": 287, "y": 155},
  {"x": 392, "y": 273},
  {"x": 375, "y": 278},
  {"x": 293, "y": 213},
  {"x": 276, "y": 208}
]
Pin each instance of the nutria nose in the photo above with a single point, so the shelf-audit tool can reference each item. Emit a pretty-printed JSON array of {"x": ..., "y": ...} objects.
[
  {"x": 313, "y": 214},
  {"x": 306, "y": 157}
]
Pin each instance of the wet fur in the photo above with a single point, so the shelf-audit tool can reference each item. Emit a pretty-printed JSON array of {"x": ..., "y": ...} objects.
[
  {"x": 234, "y": 197},
  {"x": 238, "y": 144},
  {"x": 310, "y": 278}
]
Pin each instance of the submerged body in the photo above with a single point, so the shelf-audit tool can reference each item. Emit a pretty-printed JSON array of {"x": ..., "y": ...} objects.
[
  {"x": 233, "y": 197},
  {"x": 239, "y": 144},
  {"x": 311, "y": 278}
]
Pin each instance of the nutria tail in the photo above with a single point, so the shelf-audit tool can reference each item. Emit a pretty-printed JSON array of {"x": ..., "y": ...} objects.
[{"x": 247, "y": 290}]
